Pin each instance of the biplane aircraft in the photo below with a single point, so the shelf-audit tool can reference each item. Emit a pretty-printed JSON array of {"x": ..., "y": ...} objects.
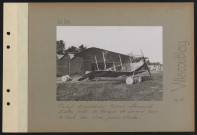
[{"x": 105, "y": 64}]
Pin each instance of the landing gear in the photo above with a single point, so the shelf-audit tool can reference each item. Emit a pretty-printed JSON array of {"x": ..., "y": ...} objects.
[
  {"x": 133, "y": 79},
  {"x": 65, "y": 78},
  {"x": 129, "y": 80},
  {"x": 139, "y": 79}
]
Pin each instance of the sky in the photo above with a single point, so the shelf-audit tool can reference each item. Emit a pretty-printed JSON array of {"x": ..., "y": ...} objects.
[{"x": 120, "y": 39}]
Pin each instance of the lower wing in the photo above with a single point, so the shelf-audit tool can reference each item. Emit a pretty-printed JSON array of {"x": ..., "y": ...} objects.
[{"x": 109, "y": 74}]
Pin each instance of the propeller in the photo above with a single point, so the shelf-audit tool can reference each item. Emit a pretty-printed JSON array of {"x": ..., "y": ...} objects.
[{"x": 145, "y": 63}]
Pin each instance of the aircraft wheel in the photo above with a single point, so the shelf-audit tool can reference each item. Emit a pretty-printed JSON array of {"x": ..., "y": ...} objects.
[
  {"x": 130, "y": 80},
  {"x": 140, "y": 79},
  {"x": 65, "y": 78}
]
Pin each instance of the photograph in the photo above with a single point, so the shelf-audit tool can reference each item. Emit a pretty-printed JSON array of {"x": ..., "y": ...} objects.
[{"x": 109, "y": 63}]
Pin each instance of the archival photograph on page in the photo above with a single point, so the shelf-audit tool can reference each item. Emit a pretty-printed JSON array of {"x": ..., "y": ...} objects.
[
  {"x": 109, "y": 63},
  {"x": 110, "y": 67}
]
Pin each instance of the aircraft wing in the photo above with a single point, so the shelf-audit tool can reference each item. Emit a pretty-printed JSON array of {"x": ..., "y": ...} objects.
[{"x": 108, "y": 74}]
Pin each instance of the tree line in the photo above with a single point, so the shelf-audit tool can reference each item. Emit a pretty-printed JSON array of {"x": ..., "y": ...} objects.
[
  {"x": 61, "y": 48},
  {"x": 152, "y": 63}
]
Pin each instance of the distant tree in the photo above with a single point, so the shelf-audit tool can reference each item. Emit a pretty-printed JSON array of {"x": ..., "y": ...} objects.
[
  {"x": 152, "y": 63},
  {"x": 148, "y": 62},
  {"x": 60, "y": 47},
  {"x": 72, "y": 49},
  {"x": 158, "y": 63},
  {"x": 82, "y": 47}
]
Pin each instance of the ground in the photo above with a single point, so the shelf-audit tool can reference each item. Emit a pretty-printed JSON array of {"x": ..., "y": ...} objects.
[{"x": 105, "y": 89}]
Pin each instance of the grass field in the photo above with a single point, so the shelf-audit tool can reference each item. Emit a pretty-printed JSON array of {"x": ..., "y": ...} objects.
[{"x": 150, "y": 89}]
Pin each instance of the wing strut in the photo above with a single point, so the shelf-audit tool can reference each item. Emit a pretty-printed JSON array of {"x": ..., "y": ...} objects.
[
  {"x": 104, "y": 61},
  {"x": 130, "y": 63},
  {"x": 96, "y": 63},
  {"x": 114, "y": 65},
  {"x": 120, "y": 62},
  {"x": 145, "y": 63}
]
